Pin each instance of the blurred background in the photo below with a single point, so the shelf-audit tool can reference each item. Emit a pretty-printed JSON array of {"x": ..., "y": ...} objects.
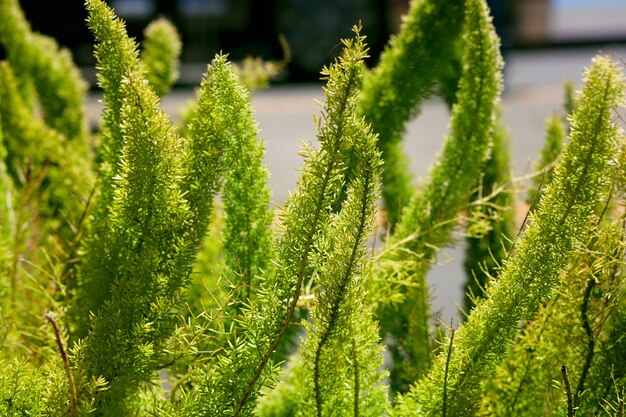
[
  {"x": 545, "y": 42},
  {"x": 313, "y": 27}
]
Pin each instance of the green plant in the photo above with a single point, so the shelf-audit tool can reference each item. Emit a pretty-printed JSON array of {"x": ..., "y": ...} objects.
[{"x": 147, "y": 314}]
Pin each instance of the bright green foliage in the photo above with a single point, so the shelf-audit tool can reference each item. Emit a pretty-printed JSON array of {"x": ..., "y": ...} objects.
[
  {"x": 552, "y": 148},
  {"x": 569, "y": 103},
  {"x": 135, "y": 268},
  {"x": 151, "y": 255},
  {"x": 530, "y": 274},
  {"x": 40, "y": 157},
  {"x": 117, "y": 59},
  {"x": 340, "y": 354},
  {"x": 160, "y": 55},
  {"x": 230, "y": 386},
  {"x": 573, "y": 329},
  {"x": 255, "y": 73},
  {"x": 212, "y": 126},
  {"x": 40, "y": 78},
  {"x": 246, "y": 196},
  {"x": 6, "y": 219},
  {"x": 114, "y": 270},
  {"x": 340, "y": 374},
  {"x": 430, "y": 216},
  {"x": 47, "y": 71},
  {"x": 490, "y": 220},
  {"x": 406, "y": 74},
  {"x": 19, "y": 380},
  {"x": 224, "y": 133},
  {"x": 283, "y": 400}
]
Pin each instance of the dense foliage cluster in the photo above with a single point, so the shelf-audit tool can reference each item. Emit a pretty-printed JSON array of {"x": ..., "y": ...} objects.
[{"x": 127, "y": 290}]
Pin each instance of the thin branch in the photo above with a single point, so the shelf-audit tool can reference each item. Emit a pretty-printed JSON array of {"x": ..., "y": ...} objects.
[
  {"x": 445, "y": 380},
  {"x": 70, "y": 262},
  {"x": 568, "y": 392},
  {"x": 590, "y": 343},
  {"x": 66, "y": 362},
  {"x": 357, "y": 388}
]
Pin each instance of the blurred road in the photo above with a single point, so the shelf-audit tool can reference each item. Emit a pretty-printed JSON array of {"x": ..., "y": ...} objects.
[{"x": 533, "y": 92}]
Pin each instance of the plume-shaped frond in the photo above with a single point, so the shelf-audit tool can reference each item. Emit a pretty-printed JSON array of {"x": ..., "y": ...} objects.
[
  {"x": 246, "y": 199},
  {"x": 428, "y": 219},
  {"x": 229, "y": 388},
  {"x": 32, "y": 146},
  {"x": 340, "y": 358},
  {"x": 573, "y": 329},
  {"x": 117, "y": 59},
  {"x": 161, "y": 55},
  {"x": 579, "y": 183},
  {"x": 341, "y": 369},
  {"x": 406, "y": 74},
  {"x": 150, "y": 250},
  {"x": 48, "y": 70}
]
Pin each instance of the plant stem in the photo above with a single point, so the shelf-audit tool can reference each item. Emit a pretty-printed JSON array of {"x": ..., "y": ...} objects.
[
  {"x": 590, "y": 343},
  {"x": 66, "y": 362},
  {"x": 568, "y": 392},
  {"x": 445, "y": 380}
]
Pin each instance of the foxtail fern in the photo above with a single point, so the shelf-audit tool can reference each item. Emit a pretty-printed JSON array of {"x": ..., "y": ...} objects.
[
  {"x": 555, "y": 228},
  {"x": 338, "y": 372},
  {"x": 231, "y": 385},
  {"x": 223, "y": 132},
  {"x": 39, "y": 156},
  {"x": 160, "y": 55},
  {"x": 149, "y": 249},
  {"x": 572, "y": 329},
  {"x": 117, "y": 58},
  {"x": 246, "y": 199},
  {"x": 407, "y": 74},
  {"x": 341, "y": 355},
  {"x": 430, "y": 216},
  {"x": 46, "y": 73}
]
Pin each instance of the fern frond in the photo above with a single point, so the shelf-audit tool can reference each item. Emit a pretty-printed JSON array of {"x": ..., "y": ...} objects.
[
  {"x": 341, "y": 332},
  {"x": 161, "y": 55},
  {"x": 246, "y": 198},
  {"x": 117, "y": 58},
  {"x": 150, "y": 253},
  {"x": 33, "y": 147},
  {"x": 428, "y": 219},
  {"x": 407, "y": 74},
  {"x": 230, "y": 387},
  {"x": 44, "y": 68},
  {"x": 555, "y": 228},
  {"x": 574, "y": 329},
  {"x": 340, "y": 357}
]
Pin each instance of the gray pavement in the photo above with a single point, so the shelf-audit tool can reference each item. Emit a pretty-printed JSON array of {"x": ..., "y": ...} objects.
[{"x": 533, "y": 92}]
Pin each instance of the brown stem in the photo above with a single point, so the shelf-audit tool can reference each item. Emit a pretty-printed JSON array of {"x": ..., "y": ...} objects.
[{"x": 66, "y": 362}]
